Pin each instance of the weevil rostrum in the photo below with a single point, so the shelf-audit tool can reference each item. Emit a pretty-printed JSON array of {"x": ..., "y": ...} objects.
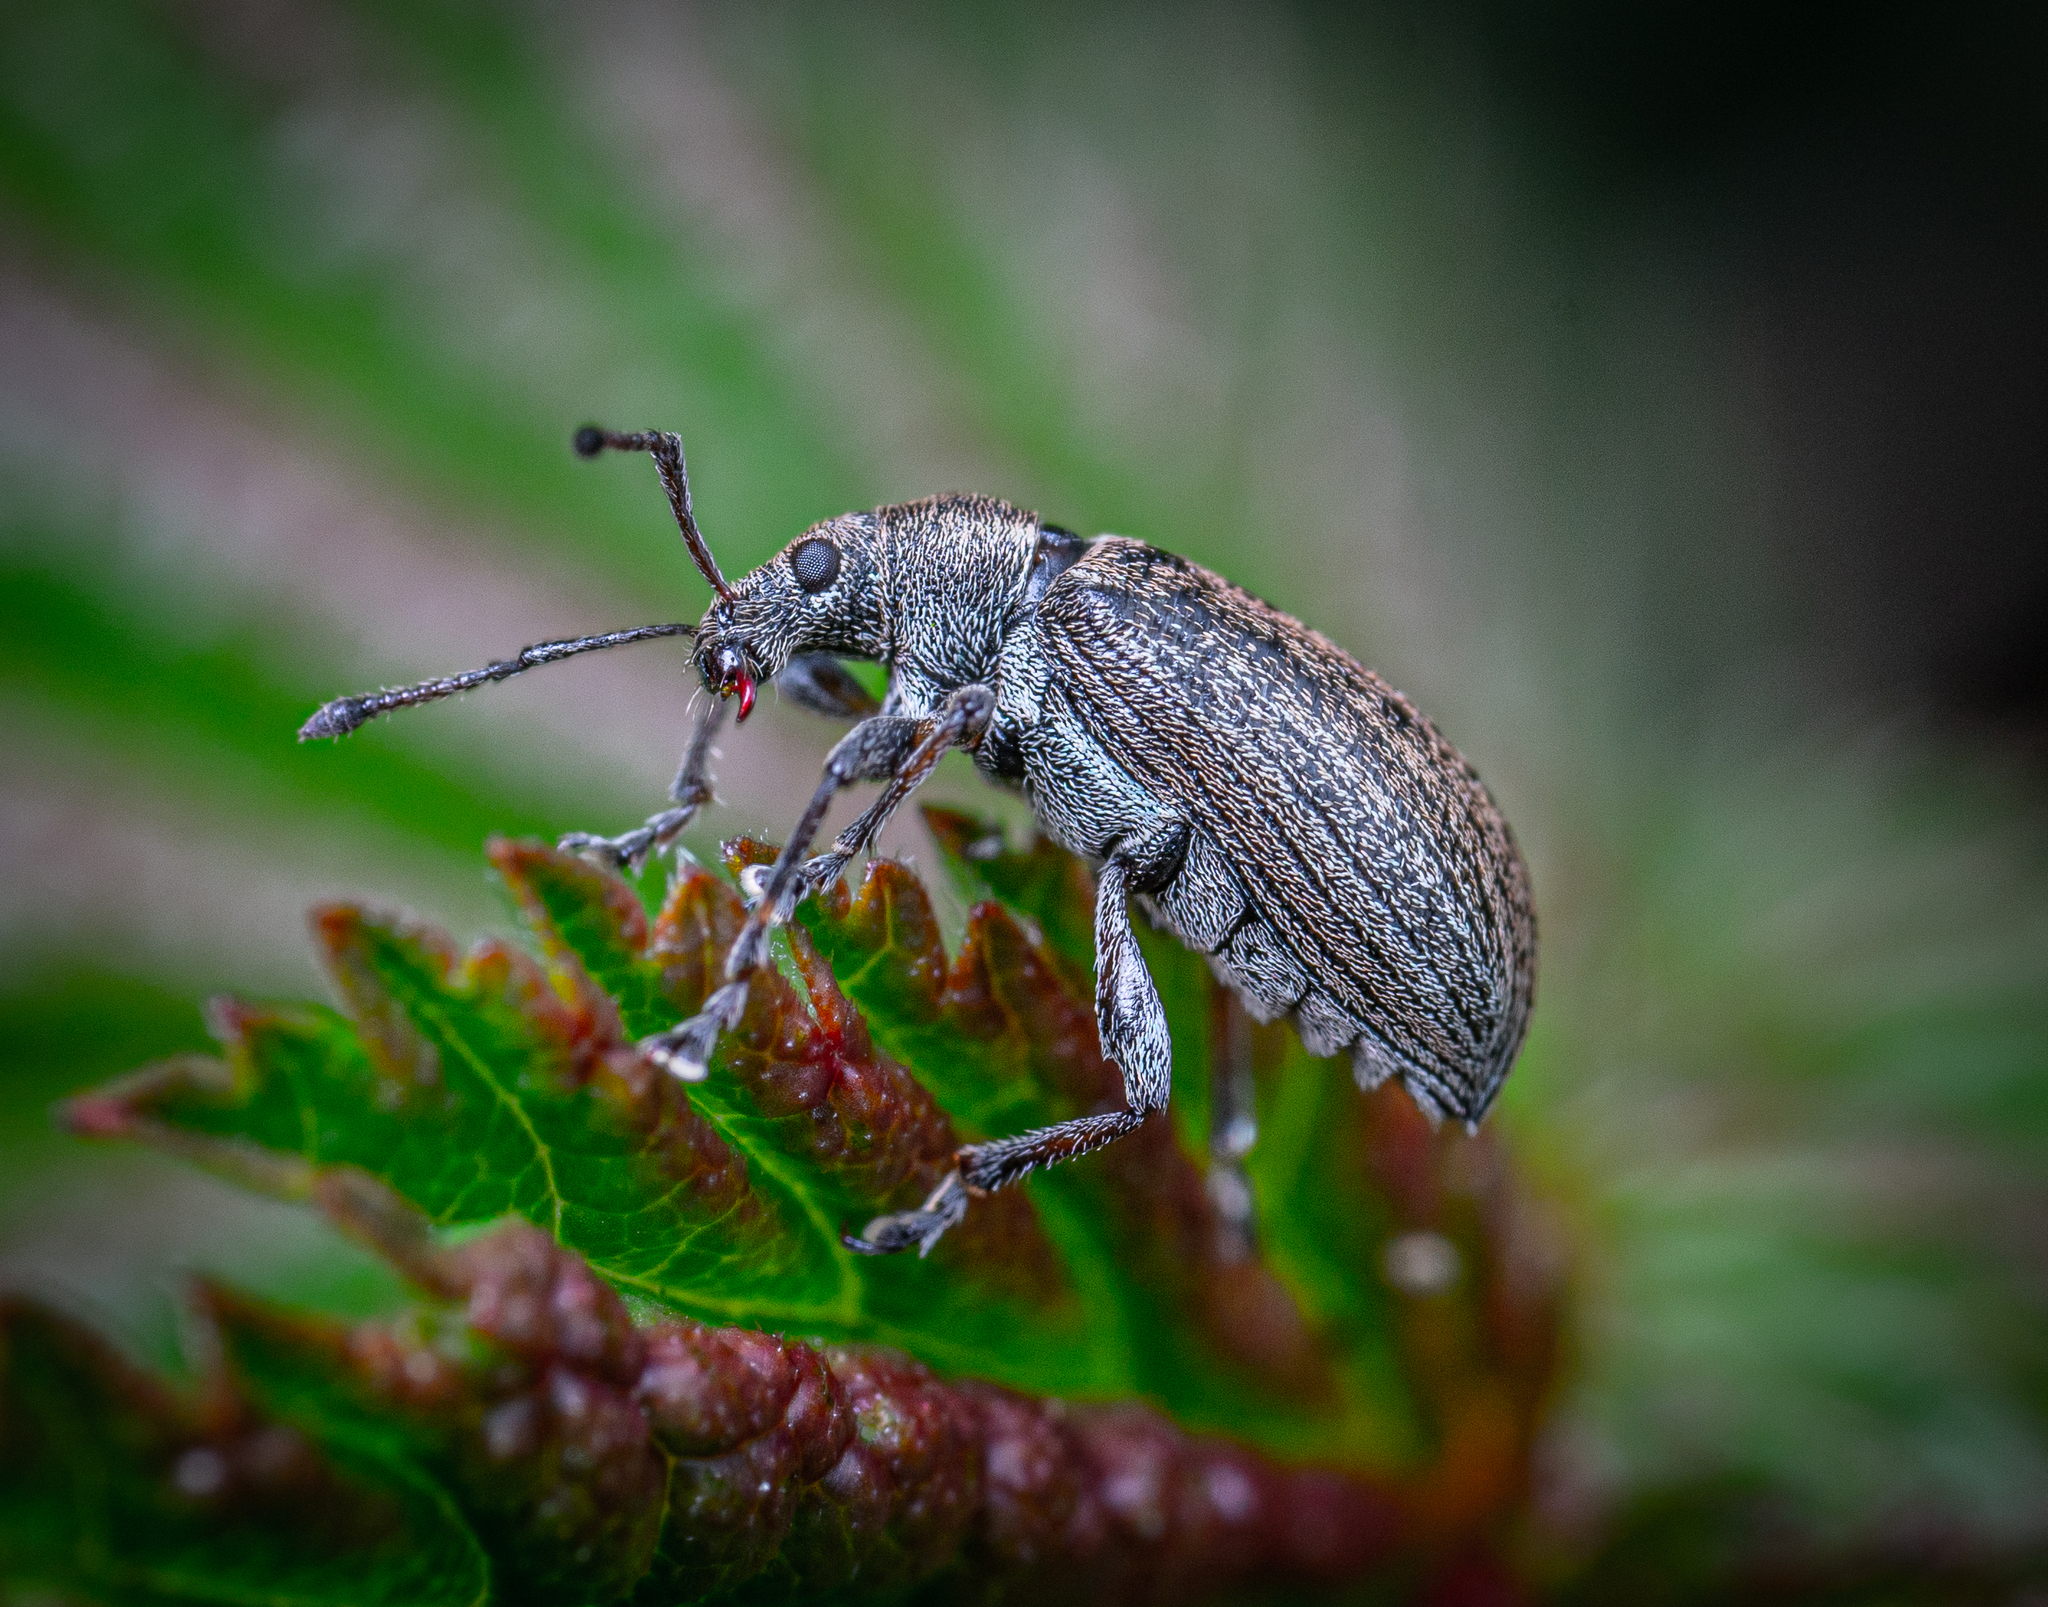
[{"x": 1264, "y": 796}]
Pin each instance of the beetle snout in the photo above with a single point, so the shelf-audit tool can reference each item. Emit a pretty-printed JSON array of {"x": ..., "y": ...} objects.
[{"x": 726, "y": 673}]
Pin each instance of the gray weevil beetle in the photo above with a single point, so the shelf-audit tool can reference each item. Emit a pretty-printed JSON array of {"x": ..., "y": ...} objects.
[{"x": 1272, "y": 802}]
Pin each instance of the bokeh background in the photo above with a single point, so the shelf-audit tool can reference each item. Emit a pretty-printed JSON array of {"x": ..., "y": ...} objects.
[{"x": 1656, "y": 393}]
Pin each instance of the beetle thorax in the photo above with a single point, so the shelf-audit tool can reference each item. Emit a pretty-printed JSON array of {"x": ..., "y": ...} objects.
[{"x": 956, "y": 568}]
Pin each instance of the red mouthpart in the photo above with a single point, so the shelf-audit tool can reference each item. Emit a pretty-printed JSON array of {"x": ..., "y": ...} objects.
[{"x": 746, "y": 686}]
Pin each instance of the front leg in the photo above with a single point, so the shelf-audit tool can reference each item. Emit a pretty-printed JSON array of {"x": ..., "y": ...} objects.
[
  {"x": 688, "y": 793},
  {"x": 975, "y": 706},
  {"x": 901, "y": 747},
  {"x": 1132, "y": 1024},
  {"x": 812, "y": 681}
]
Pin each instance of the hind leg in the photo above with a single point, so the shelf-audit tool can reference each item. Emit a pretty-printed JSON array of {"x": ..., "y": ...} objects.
[
  {"x": 1132, "y": 1024},
  {"x": 1233, "y": 1123}
]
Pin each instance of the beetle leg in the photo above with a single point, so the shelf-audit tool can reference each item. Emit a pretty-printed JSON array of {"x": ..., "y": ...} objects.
[
  {"x": 689, "y": 792},
  {"x": 899, "y": 1230},
  {"x": 820, "y": 683},
  {"x": 904, "y": 749},
  {"x": 1233, "y": 1123},
  {"x": 1128, "y": 1014},
  {"x": 1132, "y": 1023},
  {"x": 978, "y": 705}
]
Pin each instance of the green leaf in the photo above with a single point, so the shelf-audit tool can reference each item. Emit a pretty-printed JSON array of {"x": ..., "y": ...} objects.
[
  {"x": 592, "y": 1458},
  {"x": 1004, "y": 1039},
  {"x": 800, "y": 1089}
]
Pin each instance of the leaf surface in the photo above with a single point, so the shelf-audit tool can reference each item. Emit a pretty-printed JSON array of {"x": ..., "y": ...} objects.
[{"x": 585, "y": 1382}]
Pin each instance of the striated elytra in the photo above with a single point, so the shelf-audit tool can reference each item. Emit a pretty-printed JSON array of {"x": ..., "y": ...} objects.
[{"x": 1263, "y": 795}]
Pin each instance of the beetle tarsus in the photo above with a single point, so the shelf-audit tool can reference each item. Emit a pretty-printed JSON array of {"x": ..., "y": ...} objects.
[
  {"x": 821, "y": 871},
  {"x": 900, "y": 1230},
  {"x": 688, "y": 794},
  {"x": 684, "y": 1051},
  {"x": 617, "y": 853},
  {"x": 816, "y": 874},
  {"x": 630, "y": 849}
]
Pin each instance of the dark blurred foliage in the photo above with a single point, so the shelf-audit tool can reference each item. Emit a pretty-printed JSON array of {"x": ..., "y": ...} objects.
[{"x": 1868, "y": 186}]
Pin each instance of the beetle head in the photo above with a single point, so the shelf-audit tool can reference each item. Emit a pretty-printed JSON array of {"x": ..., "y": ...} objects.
[{"x": 820, "y": 594}]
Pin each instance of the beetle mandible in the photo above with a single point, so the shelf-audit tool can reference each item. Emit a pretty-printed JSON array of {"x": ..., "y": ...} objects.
[{"x": 1269, "y": 800}]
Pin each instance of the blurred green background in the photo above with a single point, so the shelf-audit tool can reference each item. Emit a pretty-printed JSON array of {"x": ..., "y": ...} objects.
[{"x": 1657, "y": 395}]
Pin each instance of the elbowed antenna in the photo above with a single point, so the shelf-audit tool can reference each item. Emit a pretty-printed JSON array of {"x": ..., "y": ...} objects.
[
  {"x": 667, "y": 450},
  {"x": 344, "y": 714}
]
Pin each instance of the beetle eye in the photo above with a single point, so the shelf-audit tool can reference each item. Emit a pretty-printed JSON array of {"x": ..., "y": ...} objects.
[{"x": 816, "y": 563}]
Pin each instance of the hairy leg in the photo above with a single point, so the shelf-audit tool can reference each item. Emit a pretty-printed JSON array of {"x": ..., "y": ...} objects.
[
  {"x": 688, "y": 793},
  {"x": 901, "y": 747},
  {"x": 1233, "y": 1124},
  {"x": 820, "y": 683},
  {"x": 1132, "y": 1024}
]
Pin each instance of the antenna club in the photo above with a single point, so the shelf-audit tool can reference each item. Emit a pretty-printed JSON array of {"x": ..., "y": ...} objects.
[
  {"x": 588, "y": 441},
  {"x": 335, "y": 719}
]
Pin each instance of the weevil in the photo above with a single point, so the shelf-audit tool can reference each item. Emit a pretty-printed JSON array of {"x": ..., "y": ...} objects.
[{"x": 1253, "y": 787}]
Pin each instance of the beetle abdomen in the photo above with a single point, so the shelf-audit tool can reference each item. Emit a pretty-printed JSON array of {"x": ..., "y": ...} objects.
[
  {"x": 1207, "y": 908},
  {"x": 1380, "y": 894}
]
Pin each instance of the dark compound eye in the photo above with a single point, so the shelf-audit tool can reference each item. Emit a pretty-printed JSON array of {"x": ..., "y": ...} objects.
[{"x": 816, "y": 563}]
